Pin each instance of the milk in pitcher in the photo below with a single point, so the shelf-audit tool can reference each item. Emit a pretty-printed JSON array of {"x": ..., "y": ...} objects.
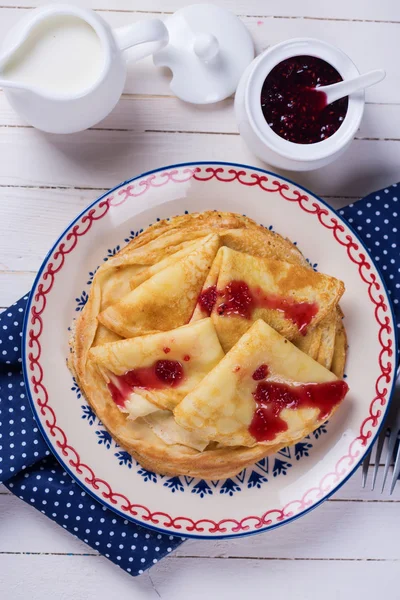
[{"x": 62, "y": 55}]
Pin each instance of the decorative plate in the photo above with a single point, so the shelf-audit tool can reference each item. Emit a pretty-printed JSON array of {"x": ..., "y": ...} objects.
[{"x": 279, "y": 488}]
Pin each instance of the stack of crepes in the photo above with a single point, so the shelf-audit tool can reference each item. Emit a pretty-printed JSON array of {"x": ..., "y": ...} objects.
[{"x": 209, "y": 342}]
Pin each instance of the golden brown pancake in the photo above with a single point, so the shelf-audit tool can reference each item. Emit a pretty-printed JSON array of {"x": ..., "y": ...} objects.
[
  {"x": 340, "y": 347},
  {"x": 155, "y": 439},
  {"x": 222, "y": 407},
  {"x": 289, "y": 297},
  {"x": 168, "y": 298},
  {"x": 192, "y": 349}
]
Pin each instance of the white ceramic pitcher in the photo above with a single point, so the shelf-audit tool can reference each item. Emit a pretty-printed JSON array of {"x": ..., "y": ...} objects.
[{"x": 63, "y": 111}]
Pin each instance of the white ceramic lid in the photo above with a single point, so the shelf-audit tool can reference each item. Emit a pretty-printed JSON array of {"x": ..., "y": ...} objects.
[{"x": 208, "y": 50}]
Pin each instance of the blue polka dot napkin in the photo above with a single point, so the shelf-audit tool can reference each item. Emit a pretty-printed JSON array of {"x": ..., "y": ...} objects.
[{"x": 30, "y": 471}]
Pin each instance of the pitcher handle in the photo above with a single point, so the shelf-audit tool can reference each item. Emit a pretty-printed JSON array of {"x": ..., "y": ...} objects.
[{"x": 143, "y": 38}]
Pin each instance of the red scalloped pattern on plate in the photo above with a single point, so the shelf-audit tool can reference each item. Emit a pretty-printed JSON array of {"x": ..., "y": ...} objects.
[{"x": 185, "y": 524}]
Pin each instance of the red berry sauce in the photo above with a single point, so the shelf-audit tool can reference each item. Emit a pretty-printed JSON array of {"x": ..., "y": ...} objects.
[
  {"x": 293, "y": 108},
  {"x": 272, "y": 397},
  {"x": 260, "y": 373},
  {"x": 207, "y": 299},
  {"x": 161, "y": 374},
  {"x": 239, "y": 299}
]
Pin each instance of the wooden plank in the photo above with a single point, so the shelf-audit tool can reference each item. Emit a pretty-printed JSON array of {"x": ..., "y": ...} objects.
[
  {"x": 80, "y": 577},
  {"x": 354, "y": 38},
  {"x": 66, "y": 577},
  {"x": 35, "y": 218},
  {"x": 13, "y": 285},
  {"x": 303, "y": 580},
  {"x": 343, "y": 520},
  {"x": 102, "y": 159},
  {"x": 24, "y": 529},
  {"x": 153, "y": 113},
  {"x": 385, "y": 10}
]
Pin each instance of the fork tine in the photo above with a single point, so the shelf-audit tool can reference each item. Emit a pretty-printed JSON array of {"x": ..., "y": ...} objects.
[
  {"x": 379, "y": 446},
  {"x": 365, "y": 467},
  {"x": 396, "y": 471},
  {"x": 390, "y": 450}
]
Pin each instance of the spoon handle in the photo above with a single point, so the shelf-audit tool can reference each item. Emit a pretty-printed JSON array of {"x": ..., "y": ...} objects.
[{"x": 345, "y": 88}]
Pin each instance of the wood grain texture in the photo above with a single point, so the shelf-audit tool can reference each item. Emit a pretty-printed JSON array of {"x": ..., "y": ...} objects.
[
  {"x": 359, "y": 10},
  {"x": 102, "y": 159},
  {"x": 82, "y": 577}
]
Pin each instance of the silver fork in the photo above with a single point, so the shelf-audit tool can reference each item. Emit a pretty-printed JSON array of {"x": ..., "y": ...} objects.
[{"x": 390, "y": 432}]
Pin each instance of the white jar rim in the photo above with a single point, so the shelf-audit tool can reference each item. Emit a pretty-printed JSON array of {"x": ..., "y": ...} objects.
[{"x": 263, "y": 66}]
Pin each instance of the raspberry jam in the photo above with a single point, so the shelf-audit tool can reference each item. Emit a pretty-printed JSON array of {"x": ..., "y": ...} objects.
[
  {"x": 239, "y": 299},
  {"x": 293, "y": 108},
  {"x": 260, "y": 373},
  {"x": 272, "y": 397},
  {"x": 207, "y": 299},
  {"x": 161, "y": 374}
]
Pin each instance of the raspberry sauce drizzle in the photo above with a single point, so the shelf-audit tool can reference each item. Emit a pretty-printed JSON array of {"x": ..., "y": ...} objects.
[
  {"x": 160, "y": 375},
  {"x": 273, "y": 397},
  {"x": 239, "y": 299},
  {"x": 207, "y": 299},
  {"x": 260, "y": 373}
]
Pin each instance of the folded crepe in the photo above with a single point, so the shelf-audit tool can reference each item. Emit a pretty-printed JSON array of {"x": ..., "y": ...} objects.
[
  {"x": 166, "y": 299},
  {"x": 340, "y": 347},
  {"x": 148, "y": 373},
  {"x": 265, "y": 391},
  {"x": 319, "y": 342},
  {"x": 149, "y": 432},
  {"x": 289, "y": 297}
]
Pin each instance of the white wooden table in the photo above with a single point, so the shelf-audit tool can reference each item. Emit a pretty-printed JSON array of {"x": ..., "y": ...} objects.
[{"x": 350, "y": 546}]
